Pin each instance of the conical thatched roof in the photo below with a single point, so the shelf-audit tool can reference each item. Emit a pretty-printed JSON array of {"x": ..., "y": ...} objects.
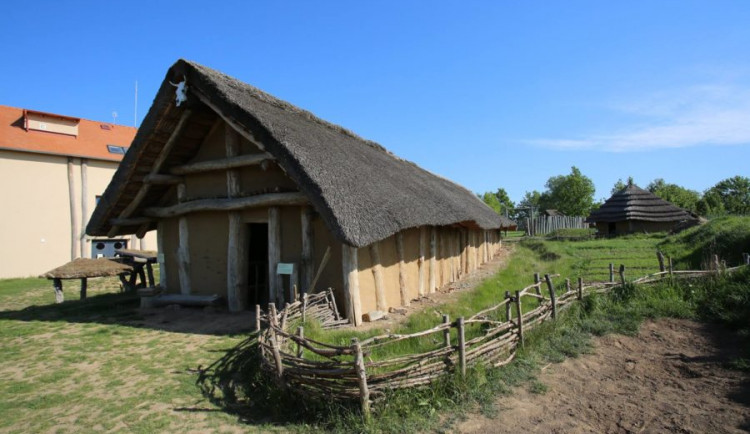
[
  {"x": 363, "y": 192},
  {"x": 635, "y": 203}
]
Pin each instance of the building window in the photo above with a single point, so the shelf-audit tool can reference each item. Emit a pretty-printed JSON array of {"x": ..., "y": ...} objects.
[{"x": 114, "y": 149}]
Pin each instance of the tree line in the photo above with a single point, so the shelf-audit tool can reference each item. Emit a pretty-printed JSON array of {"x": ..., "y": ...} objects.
[{"x": 573, "y": 194}]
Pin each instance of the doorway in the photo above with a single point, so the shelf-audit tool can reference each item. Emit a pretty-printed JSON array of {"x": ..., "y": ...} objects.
[{"x": 257, "y": 270}]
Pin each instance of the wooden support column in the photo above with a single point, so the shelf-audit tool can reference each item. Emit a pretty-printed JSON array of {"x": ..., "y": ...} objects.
[
  {"x": 57, "y": 283},
  {"x": 183, "y": 251},
  {"x": 236, "y": 245},
  {"x": 351, "y": 284},
  {"x": 160, "y": 254},
  {"x": 420, "y": 261},
  {"x": 84, "y": 287},
  {"x": 377, "y": 273},
  {"x": 476, "y": 250},
  {"x": 402, "y": 279},
  {"x": 433, "y": 261},
  {"x": 307, "y": 264},
  {"x": 85, "y": 253},
  {"x": 464, "y": 251},
  {"x": 275, "y": 293},
  {"x": 75, "y": 240}
]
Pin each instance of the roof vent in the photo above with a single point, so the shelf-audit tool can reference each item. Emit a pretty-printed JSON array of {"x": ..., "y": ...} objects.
[{"x": 105, "y": 127}]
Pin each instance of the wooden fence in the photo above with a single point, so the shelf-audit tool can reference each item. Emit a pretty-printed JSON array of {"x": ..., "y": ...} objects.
[
  {"x": 492, "y": 336},
  {"x": 544, "y": 225}
]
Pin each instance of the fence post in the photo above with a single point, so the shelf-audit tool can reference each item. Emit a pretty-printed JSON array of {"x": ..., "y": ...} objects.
[
  {"x": 359, "y": 365},
  {"x": 552, "y": 298},
  {"x": 507, "y": 306},
  {"x": 272, "y": 318},
  {"x": 257, "y": 317},
  {"x": 520, "y": 317},
  {"x": 461, "y": 346},
  {"x": 537, "y": 280},
  {"x": 276, "y": 352},
  {"x": 717, "y": 267},
  {"x": 611, "y": 272},
  {"x": 567, "y": 286},
  {"x": 660, "y": 257},
  {"x": 301, "y": 335},
  {"x": 333, "y": 305},
  {"x": 304, "y": 307},
  {"x": 746, "y": 257},
  {"x": 447, "y": 331},
  {"x": 669, "y": 260},
  {"x": 622, "y": 274},
  {"x": 580, "y": 288}
]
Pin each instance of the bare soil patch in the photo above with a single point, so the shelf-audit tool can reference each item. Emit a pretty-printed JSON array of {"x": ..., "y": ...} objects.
[{"x": 669, "y": 378}]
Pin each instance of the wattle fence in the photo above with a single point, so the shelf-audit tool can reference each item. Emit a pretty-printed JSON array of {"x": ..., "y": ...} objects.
[{"x": 355, "y": 372}]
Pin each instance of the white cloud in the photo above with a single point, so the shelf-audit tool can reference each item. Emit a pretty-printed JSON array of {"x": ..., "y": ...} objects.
[{"x": 700, "y": 115}]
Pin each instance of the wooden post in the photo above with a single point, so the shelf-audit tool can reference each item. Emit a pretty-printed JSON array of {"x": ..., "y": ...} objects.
[
  {"x": 150, "y": 274},
  {"x": 84, "y": 286},
  {"x": 359, "y": 366},
  {"x": 622, "y": 274},
  {"x": 276, "y": 353},
  {"x": 275, "y": 293},
  {"x": 307, "y": 264},
  {"x": 519, "y": 312},
  {"x": 746, "y": 257},
  {"x": 611, "y": 272},
  {"x": 461, "y": 346},
  {"x": 433, "y": 260},
  {"x": 160, "y": 254},
  {"x": 301, "y": 335},
  {"x": 57, "y": 283},
  {"x": 402, "y": 281},
  {"x": 351, "y": 284},
  {"x": 183, "y": 251},
  {"x": 536, "y": 281},
  {"x": 716, "y": 265},
  {"x": 257, "y": 317},
  {"x": 669, "y": 260},
  {"x": 420, "y": 261},
  {"x": 660, "y": 257},
  {"x": 508, "y": 315},
  {"x": 567, "y": 286},
  {"x": 580, "y": 288},
  {"x": 447, "y": 331},
  {"x": 272, "y": 315},
  {"x": 552, "y": 298},
  {"x": 236, "y": 260},
  {"x": 333, "y": 304},
  {"x": 75, "y": 245},
  {"x": 85, "y": 253},
  {"x": 304, "y": 307}
]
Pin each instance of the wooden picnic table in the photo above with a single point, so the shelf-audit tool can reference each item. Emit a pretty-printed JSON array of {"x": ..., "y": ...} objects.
[
  {"x": 84, "y": 268},
  {"x": 138, "y": 260}
]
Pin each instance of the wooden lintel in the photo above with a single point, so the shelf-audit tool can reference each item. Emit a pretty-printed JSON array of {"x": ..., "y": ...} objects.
[
  {"x": 162, "y": 179},
  {"x": 228, "y": 204},
  {"x": 221, "y": 164}
]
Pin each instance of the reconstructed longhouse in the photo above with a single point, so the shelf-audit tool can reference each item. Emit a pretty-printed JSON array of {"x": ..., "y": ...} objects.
[
  {"x": 253, "y": 197},
  {"x": 634, "y": 209}
]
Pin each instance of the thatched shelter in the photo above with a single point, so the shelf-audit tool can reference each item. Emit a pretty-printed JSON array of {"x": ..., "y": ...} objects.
[
  {"x": 237, "y": 182},
  {"x": 634, "y": 209}
]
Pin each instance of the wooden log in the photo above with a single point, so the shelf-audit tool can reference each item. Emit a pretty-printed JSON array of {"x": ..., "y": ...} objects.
[
  {"x": 301, "y": 335},
  {"x": 660, "y": 257},
  {"x": 162, "y": 179},
  {"x": 228, "y": 204},
  {"x": 519, "y": 312},
  {"x": 420, "y": 261},
  {"x": 307, "y": 265},
  {"x": 508, "y": 315},
  {"x": 351, "y": 284},
  {"x": 402, "y": 279},
  {"x": 236, "y": 263},
  {"x": 567, "y": 286},
  {"x": 364, "y": 392},
  {"x": 671, "y": 269},
  {"x": 160, "y": 254},
  {"x": 75, "y": 241},
  {"x": 221, "y": 164},
  {"x": 622, "y": 274},
  {"x": 57, "y": 284},
  {"x": 183, "y": 256},
  {"x": 611, "y": 272},
  {"x": 716, "y": 266},
  {"x": 551, "y": 289},
  {"x": 84, "y": 287},
  {"x": 304, "y": 307},
  {"x": 85, "y": 253},
  {"x": 447, "y": 331},
  {"x": 461, "y": 346},
  {"x": 276, "y": 353},
  {"x": 433, "y": 259},
  {"x": 580, "y": 288},
  {"x": 257, "y": 318},
  {"x": 536, "y": 282},
  {"x": 275, "y": 293},
  {"x": 333, "y": 304},
  {"x": 381, "y": 302}
]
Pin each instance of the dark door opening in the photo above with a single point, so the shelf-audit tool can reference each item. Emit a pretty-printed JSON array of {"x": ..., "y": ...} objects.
[
  {"x": 612, "y": 228},
  {"x": 257, "y": 271}
]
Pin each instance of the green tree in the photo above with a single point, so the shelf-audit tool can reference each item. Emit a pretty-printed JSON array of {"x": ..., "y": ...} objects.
[
  {"x": 680, "y": 196},
  {"x": 619, "y": 185},
  {"x": 571, "y": 194},
  {"x": 491, "y": 200},
  {"x": 499, "y": 201},
  {"x": 731, "y": 195},
  {"x": 531, "y": 199}
]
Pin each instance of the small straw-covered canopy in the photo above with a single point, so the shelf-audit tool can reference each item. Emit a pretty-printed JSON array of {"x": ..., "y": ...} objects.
[{"x": 83, "y": 267}]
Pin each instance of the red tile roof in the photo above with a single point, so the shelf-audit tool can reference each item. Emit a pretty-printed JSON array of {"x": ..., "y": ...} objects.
[{"x": 91, "y": 142}]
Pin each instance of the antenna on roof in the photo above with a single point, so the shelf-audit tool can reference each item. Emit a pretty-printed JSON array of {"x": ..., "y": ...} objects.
[
  {"x": 114, "y": 117},
  {"x": 135, "y": 115}
]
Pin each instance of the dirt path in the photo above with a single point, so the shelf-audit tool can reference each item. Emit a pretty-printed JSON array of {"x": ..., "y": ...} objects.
[{"x": 669, "y": 378}]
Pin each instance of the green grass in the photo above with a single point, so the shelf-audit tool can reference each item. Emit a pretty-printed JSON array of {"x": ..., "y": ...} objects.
[{"x": 727, "y": 237}]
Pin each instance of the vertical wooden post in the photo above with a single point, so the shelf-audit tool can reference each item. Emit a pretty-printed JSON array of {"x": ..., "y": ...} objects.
[
  {"x": 359, "y": 366},
  {"x": 351, "y": 284},
  {"x": 461, "y": 346},
  {"x": 580, "y": 288},
  {"x": 183, "y": 251},
  {"x": 85, "y": 253},
  {"x": 75, "y": 245},
  {"x": 57, "y": 283},
  {"x": 272, "y": 315},
  {"x": 304, "y": 308},
  {"x": 160, "y": 254},
  {"x": 275, "y": 293},
  {"x": 519, "y": 312},
  {"x": 150, "y": 273},
  {"x": 333, "y": 304},
  {"x": 508, "y": 315},
  {"x": 447, "y": 331},
  {"x": 433, "y": 260},
  {"x": 301, "y": 335},
  {"x": 669, "y": 260},
  {"x": 276, "y": 353},
  {"x": 257, "y": 317},
  {"x": 611, "y": 272},
  {"x": 402, "y": 280},
  {"x": 660, "y": 257},
  {"x": 716, "y": 265},
  {"x": 307, "y": 264},
  {"x": 567, "y": 286},
  {"x": 746, "y": 257},
  {"x": 551, "y": 289},
  {"x": 420, "y": 261},
  {"x": 84, "y": 287},
  {"x": 236, "y": 263},
  {"x": 622, "y": 274},
  {"x": 536, "y": 281}
]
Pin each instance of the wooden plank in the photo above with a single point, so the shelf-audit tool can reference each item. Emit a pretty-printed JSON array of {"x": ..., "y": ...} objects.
[
  {"x": 228, "y": 204},
  {"x": 433, "y": 261},
  {"x": 275, "y": 293},
  {"x": 85, "y": 253},
  {"x": 381, "y": 302},
  {"x": 75, "y": 241},
  {"x": 307, "y": 265},
  {"x": 402, "y": 279},
  {"x": 351, "y": 284},
  {"x": 234, "y": 162},
  {"x": 420, "y": 261}
]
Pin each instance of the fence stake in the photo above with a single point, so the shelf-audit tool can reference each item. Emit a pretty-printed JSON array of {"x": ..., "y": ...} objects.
[
  {"x": 301, "y": 335},
  {"x": 622, "y": 274},
  {"x": 520, "y": 317},
  {"x": 276, "y": 353},
  {"x": 537, "y": 280},
  {"x": 364, "y": 392},
  {"x": 552, "y": 298},
  {"x": 257, "y": 317},
  {"x": 567, "y": 286},
  {"x": 611, "y": 272},
  {"x": 669, "y": 260},
  {"x": 716, "y": 263},
  {"x": 447, "y": 331},
  {"x": 507, "y": 306},
  {"x": 660, "y": 257},
  {"x": 580, "y": 288},
  {"x": 304, "y": 306},
  {"x": 272, "y": 318},
  {"x": 333, "y": 302},
  {"x": 746, "y": 256},
  {"x": 283, "y": 317},
  {"x": 461, "y": 346}
]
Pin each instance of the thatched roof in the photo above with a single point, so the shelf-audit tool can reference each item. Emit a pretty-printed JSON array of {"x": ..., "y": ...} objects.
[
  {"x": 363, "y": 192},
  {"x": 84, "y": 267},
  {"x": 635, "y": 203}
]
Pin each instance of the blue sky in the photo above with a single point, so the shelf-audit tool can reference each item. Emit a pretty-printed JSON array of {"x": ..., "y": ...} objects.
[{"x": 488, "y": 94}]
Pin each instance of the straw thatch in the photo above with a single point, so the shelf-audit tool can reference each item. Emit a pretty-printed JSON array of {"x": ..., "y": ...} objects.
[
  {"x": 83, "y": 267},
  {"x": 363, "y": 192},
  {"x": 635, "y": 203}
]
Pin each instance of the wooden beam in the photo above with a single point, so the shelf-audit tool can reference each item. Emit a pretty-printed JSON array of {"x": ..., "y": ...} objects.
[
  {"x": 221, "y": 164},
  {"x": 85, "y": 253},
  {"x": 236, "y": 263},
  {"x": 247, "y": 134},
  {"x": 141, "y": 232},
  {"x": 183, "y": 257},
  {"x": 351, "y": 284},
  {"x": 433, "y": 261},
  {"x": 275, "y": 293},
  {"x": 420, "y": 261},
  {"x": 155, "y": 168},
  {"x": 228, "y": 204},
  {"x": 75, "y": 240},
  {"x": 162, "y": 179},
  {"x": 402, "y": 280},
  {"x": 160, "y": 249},
  {"x": 132, "y": 221},
  {"x": 307, "y": 265},
  {"x": 232, "y": 144},
  {"x": 381, "y": 302}
]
